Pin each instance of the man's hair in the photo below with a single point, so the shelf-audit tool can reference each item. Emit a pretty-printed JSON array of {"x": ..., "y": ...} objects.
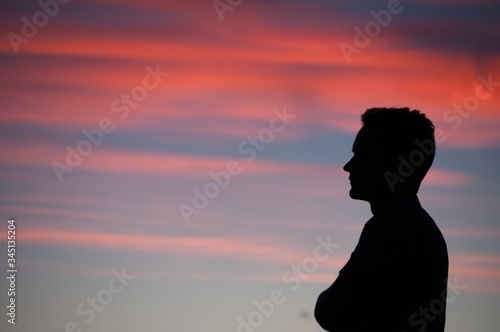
[{"x": 403, "y": 133}]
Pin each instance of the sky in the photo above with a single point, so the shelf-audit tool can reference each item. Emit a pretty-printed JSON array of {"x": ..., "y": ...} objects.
[{"x": 177, "y": 165}]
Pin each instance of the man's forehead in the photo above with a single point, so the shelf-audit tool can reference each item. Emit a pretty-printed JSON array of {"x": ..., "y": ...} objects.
[{"x": 364, "y": 140}]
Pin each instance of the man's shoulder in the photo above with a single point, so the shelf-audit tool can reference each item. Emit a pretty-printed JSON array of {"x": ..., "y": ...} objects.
[
  {"x": 407, "y": 210},
  {"x": 406, "y": 219}
]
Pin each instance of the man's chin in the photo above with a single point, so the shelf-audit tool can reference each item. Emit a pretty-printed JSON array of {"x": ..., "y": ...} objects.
[{"x": 356, "y": 194}]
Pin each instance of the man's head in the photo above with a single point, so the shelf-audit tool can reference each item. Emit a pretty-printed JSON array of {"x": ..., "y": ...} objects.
[{"x": 392, "y": 153}]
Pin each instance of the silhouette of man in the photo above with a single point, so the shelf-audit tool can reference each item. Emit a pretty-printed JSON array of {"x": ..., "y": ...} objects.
[{"x": 396, "y": 278}]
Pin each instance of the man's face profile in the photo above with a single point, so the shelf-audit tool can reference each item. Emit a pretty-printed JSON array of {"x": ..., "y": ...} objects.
[{"x": 366, "y": 168}]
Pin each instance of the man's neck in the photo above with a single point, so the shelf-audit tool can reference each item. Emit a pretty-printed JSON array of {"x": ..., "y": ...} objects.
[{"x": 381, "y": 203}]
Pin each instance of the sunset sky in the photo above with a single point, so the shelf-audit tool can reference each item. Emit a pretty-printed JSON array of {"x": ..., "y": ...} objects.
[{"x": 119, "y": 118}]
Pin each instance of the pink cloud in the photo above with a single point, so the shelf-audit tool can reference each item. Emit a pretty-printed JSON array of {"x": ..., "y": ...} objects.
[
  {"x": 472, "y": 233},
  {"x": 266, "y": 65},
  {"x": 194, "y": 246},
  {"x": 477, "y": 259},
  {"x": 447, "y": 178}
]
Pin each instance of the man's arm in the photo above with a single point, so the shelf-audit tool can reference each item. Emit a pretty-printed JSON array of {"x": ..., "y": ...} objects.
[
  {"x": 345, "y": 305},
  {"x": 368, "y": 291}
]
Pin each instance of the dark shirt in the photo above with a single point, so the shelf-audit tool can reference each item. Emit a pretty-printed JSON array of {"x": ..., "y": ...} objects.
[{"x": 396, "y": 278}]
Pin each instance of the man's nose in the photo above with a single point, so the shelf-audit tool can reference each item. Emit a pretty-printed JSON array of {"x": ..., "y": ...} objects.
[{"x": 347, "y": 166}]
